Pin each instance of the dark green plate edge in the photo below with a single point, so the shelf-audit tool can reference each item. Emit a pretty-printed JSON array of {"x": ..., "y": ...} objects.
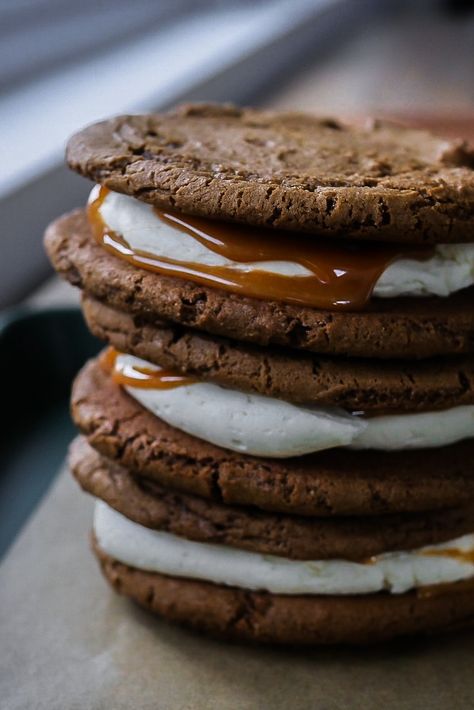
[{"x": 40, "y": 353}]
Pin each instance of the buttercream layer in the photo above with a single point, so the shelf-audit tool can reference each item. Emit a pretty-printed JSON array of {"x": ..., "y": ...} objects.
[
  {"x": 162, "y": 552},
  {"x": 265, "y": 426}
]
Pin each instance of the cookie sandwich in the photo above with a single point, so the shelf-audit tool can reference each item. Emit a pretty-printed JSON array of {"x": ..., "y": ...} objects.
[{"x": 279, "y": 431}]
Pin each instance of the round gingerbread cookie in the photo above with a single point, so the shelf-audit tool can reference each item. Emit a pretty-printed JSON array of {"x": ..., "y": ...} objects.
[
  {"x": 150, "y": 504},
  {"x": 260, "y": 617},
  {"x": 288, "y": 171},
  {"x": 352, "y": 384}
]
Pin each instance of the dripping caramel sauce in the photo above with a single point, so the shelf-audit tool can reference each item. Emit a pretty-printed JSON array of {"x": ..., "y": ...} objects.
[
  {"x": 343, "y": 276},
  {"x": 138, "y": 376},
  {"x": 466, "y": 556}
]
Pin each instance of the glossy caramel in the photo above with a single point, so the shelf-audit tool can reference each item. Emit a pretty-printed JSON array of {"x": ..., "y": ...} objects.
[
  {"x": 343, "y": 275},
  {"x": 466, "y": 556},
  {"x": 141, "y": 377}
]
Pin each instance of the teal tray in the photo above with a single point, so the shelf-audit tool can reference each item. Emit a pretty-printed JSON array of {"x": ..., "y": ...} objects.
[{"x": 40, "y": 352}]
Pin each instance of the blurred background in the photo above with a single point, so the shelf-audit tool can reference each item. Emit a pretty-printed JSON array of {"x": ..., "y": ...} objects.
[{"x": 66, "y": 63}]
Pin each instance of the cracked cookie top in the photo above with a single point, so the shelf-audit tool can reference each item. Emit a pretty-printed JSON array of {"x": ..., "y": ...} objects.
[{"x": 288, "y": 171}]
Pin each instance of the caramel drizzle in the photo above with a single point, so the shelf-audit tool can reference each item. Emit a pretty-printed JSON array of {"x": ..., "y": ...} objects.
[
  {"x": 140, "y": 377},
  {"x": 343, "y": 276},
  {"x": 465, "y": 556}
]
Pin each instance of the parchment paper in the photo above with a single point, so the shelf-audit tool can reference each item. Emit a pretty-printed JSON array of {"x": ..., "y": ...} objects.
[{"x": 67, "y": 642}]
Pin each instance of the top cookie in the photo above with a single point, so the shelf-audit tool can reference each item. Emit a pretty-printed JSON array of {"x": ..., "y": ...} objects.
[{"x": 289, "y": 171}]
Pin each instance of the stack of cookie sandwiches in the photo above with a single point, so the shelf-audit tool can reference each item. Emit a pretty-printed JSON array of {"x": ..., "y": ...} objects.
[{"x": 279, "y": 432}]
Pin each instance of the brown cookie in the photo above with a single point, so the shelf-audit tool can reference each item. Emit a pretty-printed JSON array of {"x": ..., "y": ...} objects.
[
  {"x": 355, "y": 385},
  {"x": 391, "y": 328},
  {"x": 148, "y": 503},
  {"x": 287, "y": 170},
  {"x": 334, "y": 482},
  {"x": 261, "y": 617}
]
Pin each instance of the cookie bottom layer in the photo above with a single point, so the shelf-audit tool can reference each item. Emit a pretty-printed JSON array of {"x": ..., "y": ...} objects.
[{"x": 261, "y": 617}]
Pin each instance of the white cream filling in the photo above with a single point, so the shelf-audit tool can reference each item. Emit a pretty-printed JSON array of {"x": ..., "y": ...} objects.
[
  {"x": 157, "y": 551},
  {"x": 265, "y": 426},
  {"x": 450, "y": 269}
]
